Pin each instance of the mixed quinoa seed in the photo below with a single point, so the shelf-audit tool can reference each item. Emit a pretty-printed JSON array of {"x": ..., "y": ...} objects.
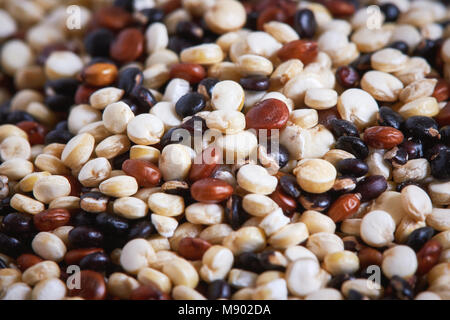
[{"x": 349, "y": 200}]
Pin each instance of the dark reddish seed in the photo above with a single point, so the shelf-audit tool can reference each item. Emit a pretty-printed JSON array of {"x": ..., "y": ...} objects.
[
  {"x": 428, "y": 256},
  {"x": 145, "y": 172},
  {"x": 369, "y": 256},
  {"x": 74, "y": 256},
  {"x": 327, "y": 116},
  {"x": 128, "y": 46},
  {"x": 26, "y": 260},
  {"x": 443, "y": 117},
  {"x": 286, "y": 202},
  {"x": 99, "y": 74},
  {"x": 340, "y": 8},
  {"x": 441, "y": 90},
  {"x": 205, "y": 163},
  {"x": 381, "y": 137},
  {"x": 352, "y": 167},
  {"x": 267, "y": 114},
  {"x": 51, "y": 219},
  {"x": 192, "y": 72},
  {"x": 255, "y": 83},
  {"x": 211, "y": 190},
  {"x": 347, "y": 77},
  {"x": 304, "y": 50},
  {"x": 270, "y": 14},
  {"x": 193, "y": 248},
  {"x": 35, "y": 131},
  {"x": 92, "y": 286},
  {"x": 113, "y": 18},
  {"x": 345, "y": 206},
  {"x": 148, "y": 292},
  {"x": 83, "y": 93}
]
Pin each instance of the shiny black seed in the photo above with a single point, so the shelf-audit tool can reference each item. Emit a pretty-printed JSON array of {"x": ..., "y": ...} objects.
[
  {"x": 397, "y": 157},
  {"x": 190, "y": 104},
  {"x": 399, "y": 45},
  {"x": 362, "y": 63},
  {"x": 341, "y": 127},
  {"x": 234, "y": 213},
  {"x": 352, "y": 167},
  {"x": 97, "y": 261},
  {"x": 64, "y": 86},
  {"x": 98, "y": 42},
  {"x": 289, "y": 185},
  {"x": 389, "y": 118},
  {"x": 255, "y": 83},
  {"x": 391, "y": 12},
  {"x": 206, "y": 85},
  {"x": 140, "y": 229},
  {"x": 111, "y": 224},
  {"x": 337, "y": 281},
  {"x": 419, "y": 237},
  {"x": 129, "y": 79},
  {"x": 371, "y": 187},
  {"x": 10, "y": 246},
  {"x": 413, "y": 148},
  {"x": 150, "y": 15},
  {"x": 305, "y": 23},
  {"x": 85, "y": 237},
  {"x": 17, "y": 224},
  {"x": 354, "y": 145},
  {"x": 315, "y": 201},
  {"x": 280, "y": 153},
  {"x": 189, "y": 30},
  {"x": 219, "y": 289},
  {"x": 347, "y": 77},
  {"x": 401, "y": 289},
  {"x": 83, "y": 218},
  {"x": 445, "y": 135},
  {"x": 58, "y": 136},
  {"x": 143, "y": 98},
  {"x": 59, "y": 102},
  {"x": 17, "y": 116},
  {"x": 421, "y": 127},
  {"x": 440, "y": 164}
]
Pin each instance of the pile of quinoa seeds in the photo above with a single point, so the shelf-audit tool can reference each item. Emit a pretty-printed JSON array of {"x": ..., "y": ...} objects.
[{"x": 223, "y": 149}]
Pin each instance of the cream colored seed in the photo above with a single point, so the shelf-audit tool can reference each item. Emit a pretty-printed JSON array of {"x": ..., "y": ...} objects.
[
  {"x": 350, "y": 107},
  {"x": 121, "y": 285},
  {"x": 416, "y": 202},
  {"x": 49, "y": 246},
  {"x": 145, "y": 129},
  {"x": 239, "y": 278},
  {"x": 335, "y": 155},
  {"x": 165, "y": 226},
  {"x": 136, "y": 255},
  {"x": 439, "y": 219},
  {"x": 27, "y": 183},
  {"x": 320, "y": 98},
  {"x": 147, "y": 153},
  {"x": 156, "y": 75},
  {"x": 226, "y": 121},
  {"x": 68, "y": 202},
  {"x": 175, "y": 162},
  {"x": 97, "y": 129},
  {"x": 238, "y": 146},
  {"x": 258, "y": 205},
  {"x": 416, "y": 68},
  {"x": 252, "y": 65},
  {"x": 325, "y": 294},
  {"x": 181, "y": 272},
  {"x": 323, "y": 243},
  {"x": 156, "y": 37},
  {"x": 225, "y": 16},
  {"x": 377, "y": 228},
  {"x": 159, "y": 243},
  {"x": 439, "y": 192},
  {"x": 149, "y": 276},
  {"x": 256, "y": 179},
  {"x": 227, "y": 95},
  {"x": 286, "y": 71},
  {"x": 298, "y": 252},
  {"x": 261, "y": 44},
  {"x": 204, "y": 54},
  {"x": 166, "y": 204},
  {"x": 274, "y": 222},
  {"x": 215, "y": 233},
  {"x": 175, "y": 89},
  {"x": 381, "y": 85},
  {"x": 246, "y": 239},
  {"x": 105, "y": 96},
  {"x": 317, "y": 222},
  {"x": 304, "y": 276},
  {"x": 54, "y": 149},
  {"x": 113, "y": 146},
  {"x": 15, "y": 55},
  {"x": 120, "y": 186},
  {"x": 186, "y": 229},
  {"x": 16, "y": 169},
  {"x": 17, "y": 291},
  {"x": 51, "y": 163},
  {"x": 351, "y": 227},
  {"x": 116, "y": 117},
  {"x": 48, "y": 188},
  {"x": 30, "y": 77},
  {"x": 282, "y": 32},
  {"x": 417, "y": 89},
  {"x": 26, "y": 204},
  {"x": 316, "y": 175},
  {"x": 413, "y": 170},
  {"x": 425, "y": 106},
  {"x": 94, "y": 172},
  {"x": 81, "y": 116},
  {"x": 62, "y": 64},
  {"x": 50, "y": 289},
  {"x": 186, "y": 293},
  {"x": 8, "y": 276},
  {"x": 290, "y": 235},
  {"x": 22, "y": 99},
  {"x": 41, "y": 271},
  {"x": 388, "y": 60},
  {"x": 366, "y": 287},
  {"x": 369, "y": 40},
  {"x": 9, "y": 130},
  {"x": 204, "y": 213},
  {"x": 162, "y": 56},
  {"x": 130, "y": 207},
  {"x": 341, "y": 262},
  {"x": 78, "y": 150},
  {"x": 165, "y": 111},
  {"x": 216, "y": 263},
  {"x": 15, "y": 147},
  {"x": 400, "y": 261}
]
